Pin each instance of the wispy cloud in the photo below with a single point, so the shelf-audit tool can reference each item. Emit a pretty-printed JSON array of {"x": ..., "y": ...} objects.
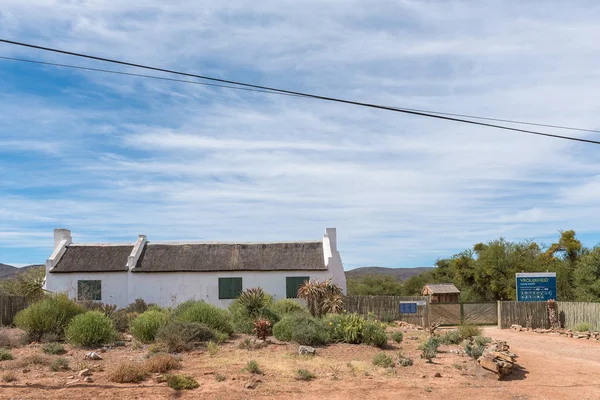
[{"x": 112, "y": 156}]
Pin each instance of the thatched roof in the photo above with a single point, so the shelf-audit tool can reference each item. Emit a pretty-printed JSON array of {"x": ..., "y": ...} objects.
[
  {"x": 94, "y": 258},
  {"x": 196, "y": 257},
  {"x": 232, "y": 257},
  {"x": 441, "y": 288}
]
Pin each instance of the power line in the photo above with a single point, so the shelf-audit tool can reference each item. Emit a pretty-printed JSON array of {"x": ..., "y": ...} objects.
[
  {"x": 281, "y": 94},
  {"x": 141, "y": 75},
  {"x": 290, "y": 92}
]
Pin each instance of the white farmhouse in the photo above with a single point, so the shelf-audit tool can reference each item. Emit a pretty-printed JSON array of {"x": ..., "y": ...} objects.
[{"x": 170, "y": 273}]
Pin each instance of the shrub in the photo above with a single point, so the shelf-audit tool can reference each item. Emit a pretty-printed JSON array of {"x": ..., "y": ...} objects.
[
  {"x": 251, "y": 344},
  {"x": 5, "y": 339},
  {"x": 221, "y": 337},
  {"x": 321, "y": 297},
  {"x": 138, "y": 306},
  {"x": 60, "y": 364},
  {"x": 9, "y": 377},
  {"x": 429, "y": 349},
  {"x": 199, "y": 311},
  {"x": 253, "y": 368},
  {"x": 284, "y": 329},
  {"x": 91, "y": 329},
  {"x": 254, "y": 300},
  {"x": 162, "y": 363},
  {"x": 5, "y": 355},
  {"x": 121, "y": 320},
  {"x": 128, "y": 372},
  {"x": 147, "y": 324},
  {"x": 182, "y": 382},
  {"x": 398, "y": 337},
  {"x": 50, "y": 338},
  {"x": 53, "y": 348},
  {"x": 467, "y": 331},
  {"x": 405, "y": 361},
  {"x": 451, "y": 337},
  {"x": 262, "y": 328},
  {"x": 474, "y": 349},
  {"x": 482, "y": 340},
  {"x": 287, "y": 306},
  {"x": 388, "y": 319},
  {"x": 383, "y": 360},
  {"x": 50, "y": 315},
  {"x": 220, "y": 378},
  {"x": 311, "y": 335},
  {"x": 34, "y": 359},
  {"x": 183, "y": 335},
  {"x": 583, "y": 327},
  {"x": 212, "y": 348},
  {"x": 304, "y": 375},
  {"x": 374, "y": 334},
  {"x": 354, "y": 329}
]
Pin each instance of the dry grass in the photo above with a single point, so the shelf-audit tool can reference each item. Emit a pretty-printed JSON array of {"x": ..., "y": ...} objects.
[
  {"x": 33, "y": 359},
  {"x": 9, "y": 377},
  {"x": 128, "y": 372},
  {"x": 162, "y": 363}
]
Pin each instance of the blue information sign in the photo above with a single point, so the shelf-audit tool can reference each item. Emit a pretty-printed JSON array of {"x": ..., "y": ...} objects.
[{"x": 536, "y": 286}]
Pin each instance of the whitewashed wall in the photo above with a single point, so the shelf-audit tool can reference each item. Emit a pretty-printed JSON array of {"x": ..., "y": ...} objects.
[
  {"x": 114, "y": 285},
  {"x": 171, "y": 288}
]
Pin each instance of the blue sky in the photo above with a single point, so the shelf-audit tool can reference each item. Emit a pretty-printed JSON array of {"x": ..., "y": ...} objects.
[{"x": 111, "y": 157}]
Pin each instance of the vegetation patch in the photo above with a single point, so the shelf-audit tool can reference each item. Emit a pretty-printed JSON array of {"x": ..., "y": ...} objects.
[
  {"x": 145, "y": 327},
  {"x": 128, "y": 372},
  {"x": 383, "y": 360},
  {"x": 90, "y": 329},
  {"x": 161, "y": 363},
  {"x": 50, "y": 315},
  {"x": 429, "y": 349},
  {"x": 182, "y": 382},
  {"x": 301, "y": 328},
  {"x": 583, "y": 327},
  {"x": 204, "y": 313},
  {"x": 183, "y": 335},
  {"x": 53, "y": 348},
  {"x": 451, "y": 337},
  {"x": 60, "y": 364},
  {"x": 398, "y": 337},
  {"x": 253, "y": 367},
  {"x": 5, "y": 355},
  {"x": 304, "y": 375},
  {"x": 9, "y": 377}
]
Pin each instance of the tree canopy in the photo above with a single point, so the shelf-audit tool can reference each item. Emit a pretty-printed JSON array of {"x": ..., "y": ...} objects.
[{"x": 486, "y": 272}]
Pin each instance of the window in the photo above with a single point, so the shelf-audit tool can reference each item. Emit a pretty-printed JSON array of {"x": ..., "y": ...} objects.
[
  {"x": 292, "y": 283},
  {"x": 89, "y": 290},
  {"x": 229, "y": 288},
  {"x": 408, "y": 308}
]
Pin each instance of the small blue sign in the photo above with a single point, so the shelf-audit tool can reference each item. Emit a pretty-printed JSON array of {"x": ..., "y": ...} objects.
[
  {"x": 536, "y": 286},
  {"x": 408, "y": 308}
]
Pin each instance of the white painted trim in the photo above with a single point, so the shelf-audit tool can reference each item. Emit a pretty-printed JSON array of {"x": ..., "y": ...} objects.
[{"x": 136, "y": 252}]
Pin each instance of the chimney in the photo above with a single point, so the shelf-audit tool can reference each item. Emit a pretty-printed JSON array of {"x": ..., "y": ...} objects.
[
  {"x": 332, "y": 235},
  {"x": 60, "y": 235}
]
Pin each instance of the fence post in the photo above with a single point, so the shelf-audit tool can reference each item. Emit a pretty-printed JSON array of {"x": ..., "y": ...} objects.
[
  {"x": 499, "y": 315},
  {"x": 462, "y": 313}
]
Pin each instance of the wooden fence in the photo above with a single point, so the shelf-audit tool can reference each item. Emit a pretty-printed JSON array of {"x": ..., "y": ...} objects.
[
  {"x": 384, "y": 307},
  {"x": 447, "y": 313},
  {"x": 569, "y": 314},
  {"x": 9, "y": 307}
]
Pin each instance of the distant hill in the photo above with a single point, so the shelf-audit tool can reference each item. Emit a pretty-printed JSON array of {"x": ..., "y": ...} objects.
[
  {"x": 400, "y": 274},
  {"x": 7, "y": 271}
]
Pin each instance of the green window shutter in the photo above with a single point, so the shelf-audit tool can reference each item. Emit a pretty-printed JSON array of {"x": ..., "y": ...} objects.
[
  {"x": 292, "y": 283},
  {"x": 89, "y": 290},
  {"x": 229, "y": 288}
]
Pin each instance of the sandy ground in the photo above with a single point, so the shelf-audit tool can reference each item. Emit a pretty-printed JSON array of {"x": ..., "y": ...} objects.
[{"x": 550, "y": 368}]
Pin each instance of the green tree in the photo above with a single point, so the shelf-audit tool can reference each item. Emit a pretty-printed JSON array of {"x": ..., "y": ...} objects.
[
  {"x": 587, "y": 276},
  {"x": 374, "y": 285}
]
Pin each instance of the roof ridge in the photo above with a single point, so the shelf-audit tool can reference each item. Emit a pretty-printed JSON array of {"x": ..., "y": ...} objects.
[{"x": 182, "y": 243}]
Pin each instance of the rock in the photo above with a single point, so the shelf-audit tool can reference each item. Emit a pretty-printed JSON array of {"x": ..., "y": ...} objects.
[
  {"x": 516, "y": 327},
  {"x": 26, "y": 370},
  {"x": 306, "y": 350},
  {"x": 252, "y": 384},
  {"x": 71, "y": 377},
  {"x": 413, "y": 338},
  {"x": 85, "y": 372},
  {"x": 437, "y": 375},
  {"x": 88, "y": 379},
  {"x": 92, "y": 356}
]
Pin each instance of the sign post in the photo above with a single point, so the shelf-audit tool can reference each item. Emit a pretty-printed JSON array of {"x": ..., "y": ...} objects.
[{"x": 536, "y": 286}]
